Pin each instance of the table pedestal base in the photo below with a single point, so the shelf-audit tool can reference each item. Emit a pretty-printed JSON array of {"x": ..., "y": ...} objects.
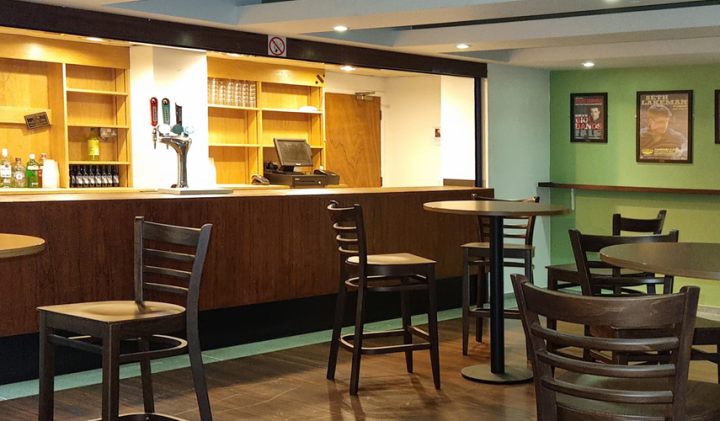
[{"x": 513, "y": 374}]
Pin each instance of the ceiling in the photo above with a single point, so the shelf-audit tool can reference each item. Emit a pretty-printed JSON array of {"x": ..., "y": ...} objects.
[{"x": 550, "y": 34}]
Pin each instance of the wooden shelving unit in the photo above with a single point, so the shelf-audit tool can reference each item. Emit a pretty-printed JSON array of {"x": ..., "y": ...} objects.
[
  {"x": 290, "y": 106},
  {"x": 80, "y": 86}
]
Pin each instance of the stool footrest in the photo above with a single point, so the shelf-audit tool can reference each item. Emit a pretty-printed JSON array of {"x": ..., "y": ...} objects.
[
  {"x": 145, "y": 417},
  {"x": 347, "y": 343},
  {"x": 484, "y": 312}
]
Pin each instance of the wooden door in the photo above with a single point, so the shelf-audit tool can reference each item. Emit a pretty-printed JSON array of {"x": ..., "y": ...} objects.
[{"x": 353, "y": 139}]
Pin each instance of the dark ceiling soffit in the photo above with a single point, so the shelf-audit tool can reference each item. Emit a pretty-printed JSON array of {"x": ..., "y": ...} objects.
[
  {"x": 579, "y": 13},
  {"x": 18, "y": 14}
]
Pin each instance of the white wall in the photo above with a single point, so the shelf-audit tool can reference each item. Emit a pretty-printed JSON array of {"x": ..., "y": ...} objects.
[
  {"x": 410, "y": 152},
  {"x": 457, "y": 117},
  {"x": 519, "y": 145},
  {"x": 181, "y": 76}
]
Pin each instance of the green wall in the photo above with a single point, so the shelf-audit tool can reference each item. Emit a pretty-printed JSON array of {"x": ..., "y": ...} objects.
[{"x": 613, "y": 163}]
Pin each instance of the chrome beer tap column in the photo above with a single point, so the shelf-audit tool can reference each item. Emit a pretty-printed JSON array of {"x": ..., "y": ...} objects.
[{"x": 181, "y": 144}]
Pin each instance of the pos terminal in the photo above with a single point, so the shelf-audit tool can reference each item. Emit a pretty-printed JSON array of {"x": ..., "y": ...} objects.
[{"x": 294, "y": 153}]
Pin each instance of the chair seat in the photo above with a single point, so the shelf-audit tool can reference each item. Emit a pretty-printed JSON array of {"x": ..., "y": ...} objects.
[
  {"x": 707, "y": 332},
  {"x": 701, "y": 399},
  {"x": 116, "y": 311},
  {"x": 390, "y": 259}
]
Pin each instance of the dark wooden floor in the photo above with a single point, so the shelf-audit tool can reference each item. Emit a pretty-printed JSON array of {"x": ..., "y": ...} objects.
[{"x": 291, "y": 385}]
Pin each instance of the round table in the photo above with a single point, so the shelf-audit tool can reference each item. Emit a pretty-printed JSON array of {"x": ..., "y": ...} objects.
[
  {"x": 496, "y": 211},
  {"x": 692, "y": 260},
  {"x": 13, "y": 245}
]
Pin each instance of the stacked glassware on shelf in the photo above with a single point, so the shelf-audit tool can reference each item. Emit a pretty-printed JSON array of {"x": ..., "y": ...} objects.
[{"x": 235, "y": 93}]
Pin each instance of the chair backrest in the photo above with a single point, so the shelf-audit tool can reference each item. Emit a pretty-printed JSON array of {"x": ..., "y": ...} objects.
[
  {"x": 170, "y": 259},
  {"x": 649, "y": 226},
  {"x": 349, "y": 227},
  {"x": 584, "y": 244},
  {"x": 516, "y": 227},
  {"x": 623, "y": 384}
]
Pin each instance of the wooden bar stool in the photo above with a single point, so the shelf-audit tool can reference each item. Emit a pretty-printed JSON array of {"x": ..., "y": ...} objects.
[
  {"x": 518, "y": 255},
  {"x": 363, "y": 272},
  {"x": 102, "y": 326}
]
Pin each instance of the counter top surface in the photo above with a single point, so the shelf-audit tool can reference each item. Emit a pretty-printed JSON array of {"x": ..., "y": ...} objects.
[{"x": 138, "y": 194}]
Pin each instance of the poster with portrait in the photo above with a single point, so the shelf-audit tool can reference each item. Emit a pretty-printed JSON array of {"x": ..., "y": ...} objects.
[
  {"x": 588, "y": 117},
  {"x": 664, "y": 126}
]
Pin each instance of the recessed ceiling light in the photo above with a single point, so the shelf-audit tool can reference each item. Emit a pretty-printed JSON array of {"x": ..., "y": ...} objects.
[
  {"x": 347, "y": 68},
  {"x": 94, "y": 39},
  {"x": 340, "y": 28},
  {"x": 588, "y": 64},
  {"x": 462, "y": 46}
]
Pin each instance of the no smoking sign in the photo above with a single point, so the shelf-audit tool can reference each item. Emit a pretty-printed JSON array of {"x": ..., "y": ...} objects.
[{"x": 277, "y": 46}]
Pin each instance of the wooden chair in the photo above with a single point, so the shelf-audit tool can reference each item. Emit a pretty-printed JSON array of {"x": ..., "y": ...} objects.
[
  {"x": 517, "y": 254},
  {"x": 173, "y": 258},
  {"x": 707, "y": 332},
  {"x": 363, "y": 272},
  {"x": 566, "y": 276},
  {"x": 569, "y": 388}
]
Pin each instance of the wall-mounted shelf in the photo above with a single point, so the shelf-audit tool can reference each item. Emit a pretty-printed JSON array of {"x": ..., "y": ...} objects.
[
  {"x": 97, "y": 92},
  {"x": 233, "y": 107},
  {"x": 639, "y": 189},
  {"x": 99, "y": 163},
  {"x": 287, "y": 110},
  {"x": 234, "y": 145}
]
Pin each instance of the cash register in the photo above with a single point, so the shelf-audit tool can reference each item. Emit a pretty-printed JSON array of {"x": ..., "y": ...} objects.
[{"x": 294, "y": 153}]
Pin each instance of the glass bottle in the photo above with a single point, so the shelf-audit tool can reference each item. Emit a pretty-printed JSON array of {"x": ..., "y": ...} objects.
[
  {"x": 115, "y": 177},
  {"x": 81, "y": 177},
  {"x": 18, "y": 174},
  {"x": 31, "y": 172},
  {"x": 43, "y": 155},
  {"x": 5, "y": 170},
  {"x": 93, "y": 145},
  {"x": 73, "y": 176}
]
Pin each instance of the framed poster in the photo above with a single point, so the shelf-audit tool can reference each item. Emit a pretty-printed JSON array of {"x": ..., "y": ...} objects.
[
  {"x": 664, "y": 126},
  {"x": 717, "y": 116},
  {"x": 588, "y": 117}
]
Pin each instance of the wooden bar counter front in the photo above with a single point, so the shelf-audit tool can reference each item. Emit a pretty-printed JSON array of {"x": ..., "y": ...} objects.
[{"x": 267, "y": 245}]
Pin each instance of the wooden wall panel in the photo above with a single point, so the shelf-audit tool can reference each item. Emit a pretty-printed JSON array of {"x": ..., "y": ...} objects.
[{"x": 264, "y": 247}]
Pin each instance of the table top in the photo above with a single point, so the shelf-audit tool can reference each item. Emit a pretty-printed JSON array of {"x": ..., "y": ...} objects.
[
  {"x": 495, "y": 208},
  {"x": 12, "y": 245},
  {"x": 693, "y": 260}
]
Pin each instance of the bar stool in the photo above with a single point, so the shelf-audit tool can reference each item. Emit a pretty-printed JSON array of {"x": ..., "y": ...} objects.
[
  {"x": 103, "y": 325},
  {"x": 518, "y": 255},
  {"x": 363, "y": 272}
]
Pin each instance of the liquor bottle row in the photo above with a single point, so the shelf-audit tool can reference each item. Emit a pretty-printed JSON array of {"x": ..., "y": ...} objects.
[
  {"x": 94, "y": 176},
  {"x": 18, "y": 175}
]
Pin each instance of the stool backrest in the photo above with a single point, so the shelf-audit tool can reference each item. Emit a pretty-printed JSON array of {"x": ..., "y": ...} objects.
[
  {"x": 649, "y": 226},
  {"x": 349, "y": 227},
  {"x": 584, "y": 244},
  {"x": 516, "y": 227},
  {"x": 170, "y": 259},
  {"x": 554, "y": 365}
]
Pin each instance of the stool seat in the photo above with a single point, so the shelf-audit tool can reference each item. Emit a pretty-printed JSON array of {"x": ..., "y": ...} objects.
[
  {"x": 116, "y": 311},
  {"x": 392, "y": 259}
]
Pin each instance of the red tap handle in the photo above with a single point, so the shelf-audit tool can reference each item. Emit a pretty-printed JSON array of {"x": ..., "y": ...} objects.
[{"x": 154, "y": 111}]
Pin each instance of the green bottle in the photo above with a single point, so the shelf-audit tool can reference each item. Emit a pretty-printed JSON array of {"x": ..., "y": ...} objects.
[
  {"x": 93, "y": 145},
  {"x": 31, "y": 173}
]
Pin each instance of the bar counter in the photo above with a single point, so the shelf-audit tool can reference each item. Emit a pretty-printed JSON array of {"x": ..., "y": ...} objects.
[{"x": 266, "y": 244}]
